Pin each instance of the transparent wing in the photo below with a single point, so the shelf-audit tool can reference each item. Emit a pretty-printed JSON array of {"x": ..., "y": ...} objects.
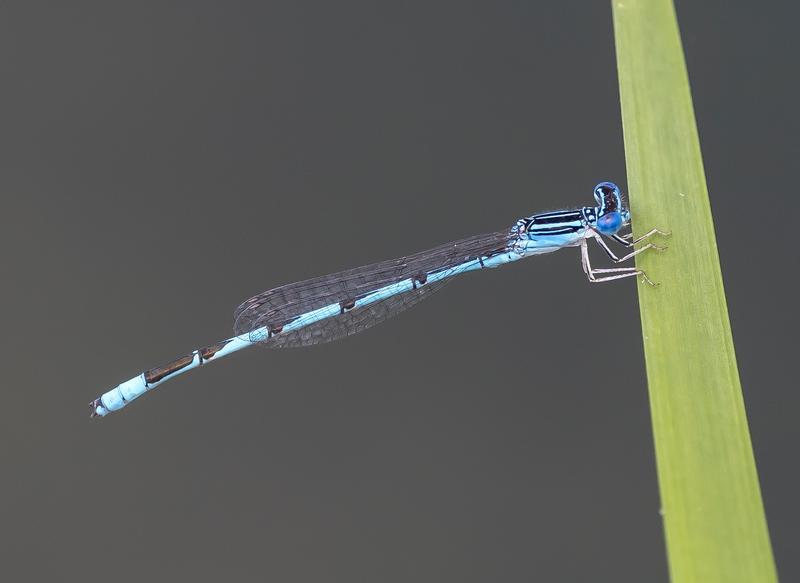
[
  {"x": 281, "y": 305},
  {"x": 353, "y": 321}
]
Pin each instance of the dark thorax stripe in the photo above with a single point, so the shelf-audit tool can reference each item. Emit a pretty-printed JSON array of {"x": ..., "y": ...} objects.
[
  {"x": 556, "y": 223},
  {"x": 556, "y": 217},
  {"x": 560, "y": 230}
]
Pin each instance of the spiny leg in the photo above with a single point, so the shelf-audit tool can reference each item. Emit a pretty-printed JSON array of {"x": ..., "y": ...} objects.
[
  {"x": 622, "y": 272},
  {"x": 623, "y": 240},
  {"x": 616, "y": 259},
  {"x": 645, "y": 279}
]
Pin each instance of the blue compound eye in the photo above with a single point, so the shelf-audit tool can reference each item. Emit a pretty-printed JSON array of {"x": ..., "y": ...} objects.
[
  {"x": 607, "y": 194},
  {"x": 609, "y": 223}
]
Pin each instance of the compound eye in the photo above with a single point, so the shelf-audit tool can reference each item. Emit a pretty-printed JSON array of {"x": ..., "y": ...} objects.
[
  {"x": 608, "y": 196},
  {"x": 610, "y": 223}
]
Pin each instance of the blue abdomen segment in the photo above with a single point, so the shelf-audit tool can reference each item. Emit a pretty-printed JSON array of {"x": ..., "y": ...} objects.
[
  {"x": 124, "y": 393},
  {"x": 118, "y": 397}
]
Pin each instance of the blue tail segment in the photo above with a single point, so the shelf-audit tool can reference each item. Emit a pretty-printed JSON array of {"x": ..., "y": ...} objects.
[{"x": 124, "y": 393}]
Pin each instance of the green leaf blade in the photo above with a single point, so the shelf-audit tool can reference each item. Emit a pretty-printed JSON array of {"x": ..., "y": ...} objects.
[{"x": 713, "y": 514}]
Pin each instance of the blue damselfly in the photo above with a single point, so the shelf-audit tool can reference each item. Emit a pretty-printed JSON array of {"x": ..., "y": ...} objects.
[{"x": 333, "y": 306}]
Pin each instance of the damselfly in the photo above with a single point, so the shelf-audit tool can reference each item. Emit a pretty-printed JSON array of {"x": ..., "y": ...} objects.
[{"x": 334, "y": 306}]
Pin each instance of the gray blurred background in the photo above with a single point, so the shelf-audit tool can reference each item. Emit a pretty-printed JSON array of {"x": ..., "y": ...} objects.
[{"x": 162, "y": 161}]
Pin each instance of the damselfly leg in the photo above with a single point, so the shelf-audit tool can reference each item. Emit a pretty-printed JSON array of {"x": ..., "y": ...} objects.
[
  {"x": 620, "y": 272},
  {"x": 613, "y": 256},
  {"x": 627, "y": 242}
]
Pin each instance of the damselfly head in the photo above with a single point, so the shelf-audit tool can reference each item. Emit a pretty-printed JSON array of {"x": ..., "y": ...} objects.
[{"x": 611, "y": 211}]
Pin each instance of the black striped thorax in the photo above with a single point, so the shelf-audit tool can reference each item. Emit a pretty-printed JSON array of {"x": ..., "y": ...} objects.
[{"x": 563, "y": 222}]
